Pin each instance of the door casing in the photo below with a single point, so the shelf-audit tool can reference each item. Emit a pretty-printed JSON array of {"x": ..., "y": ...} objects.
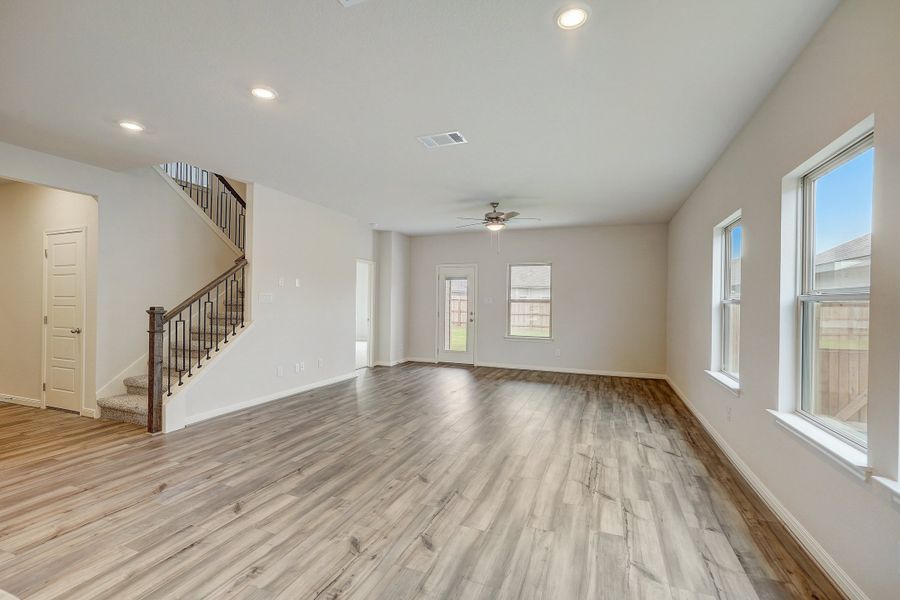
[{"x": 370, "y": 345}]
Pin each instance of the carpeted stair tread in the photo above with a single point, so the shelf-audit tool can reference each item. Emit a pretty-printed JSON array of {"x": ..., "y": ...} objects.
[
  {"x": 142, "y": 382},
  {"x": 126, "y": 403}
]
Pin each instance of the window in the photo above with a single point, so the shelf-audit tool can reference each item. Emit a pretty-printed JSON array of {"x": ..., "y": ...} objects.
[
  {"x": 530, "y": 301},
  {"x": 730, "y": 294},
  {"x": 834, "y": 299}
]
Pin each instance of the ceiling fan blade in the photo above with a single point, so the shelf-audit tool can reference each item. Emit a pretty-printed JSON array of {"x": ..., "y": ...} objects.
[
  {"x": 470, "y": 219},
  {"x": 469, "y": 225},
  {"x": 525, "y": 219},
  {"x": 511, "y": 215}
]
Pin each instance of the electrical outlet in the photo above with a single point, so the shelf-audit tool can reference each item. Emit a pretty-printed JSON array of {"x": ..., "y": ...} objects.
[
  {"x": 266, "y": 298},
  {"x": 297, "y": 368},
  {"x": 297, "y": 282},
  {"x": 558, "y": 352},
  {"x": 279, "y": 371},
  {"x": 281, "y": 282},
  {"x": 321, "y": 362},
  {"x": 302, "y": 366}
]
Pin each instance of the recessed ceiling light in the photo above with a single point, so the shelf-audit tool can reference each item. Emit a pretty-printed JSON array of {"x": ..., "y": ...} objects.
[
  {"x": 131, "y": 126},
  {"x": 264, "y": 93},
  {"x": 572, "y": 18}
]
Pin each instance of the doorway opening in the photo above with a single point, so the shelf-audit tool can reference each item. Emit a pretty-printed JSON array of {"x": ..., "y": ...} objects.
[
  {"x": 365, "y": 296},
  {"x": 48, "y": 240}
]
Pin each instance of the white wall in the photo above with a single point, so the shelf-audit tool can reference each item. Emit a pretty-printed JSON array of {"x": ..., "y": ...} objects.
[
  {"x": 609, "y": 296},
  {"x": 152, "y": 248},
  {"x": 849, "y": 71},
  {"x": 26, "y": 213},
  {"x": 292, "y": 239}
]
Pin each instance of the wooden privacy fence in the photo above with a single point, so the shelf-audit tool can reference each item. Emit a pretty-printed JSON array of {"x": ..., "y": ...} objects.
[
  {"x": 532, "y": 315},
  {"x": 842, "y": 362}
]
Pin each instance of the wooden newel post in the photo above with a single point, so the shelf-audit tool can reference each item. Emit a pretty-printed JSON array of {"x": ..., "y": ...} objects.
[{"x": 154, "y": 369}]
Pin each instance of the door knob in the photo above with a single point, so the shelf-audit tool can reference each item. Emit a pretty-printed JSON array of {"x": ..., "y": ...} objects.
[{"x": 76, "y": 330}]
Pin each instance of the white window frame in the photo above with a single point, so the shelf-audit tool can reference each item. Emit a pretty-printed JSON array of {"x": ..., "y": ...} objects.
[
  {"x": 726, "y": 298},
  {"x": 509, "y": 301},
  {"x": 808, "y": 296},
  {"x": 720, "y": 300}
]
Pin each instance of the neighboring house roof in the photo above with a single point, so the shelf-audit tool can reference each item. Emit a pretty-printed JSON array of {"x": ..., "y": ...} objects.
[
  {"x": 538, "y": 277},
  {"x": 860, "y": 247}
]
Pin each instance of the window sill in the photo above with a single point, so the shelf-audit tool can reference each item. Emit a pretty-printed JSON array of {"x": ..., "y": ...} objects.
[
  {"x": 852, "y": 459},
  {"x": 727, "y": 382},
  {"x": 892, "y": 486},
  {"x": 522, "y": 338}
]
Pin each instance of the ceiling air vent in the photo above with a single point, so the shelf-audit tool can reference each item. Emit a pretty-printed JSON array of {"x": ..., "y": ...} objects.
[
  {"x": 438, "y": 140},
  {"x": 348, "y": 3}
]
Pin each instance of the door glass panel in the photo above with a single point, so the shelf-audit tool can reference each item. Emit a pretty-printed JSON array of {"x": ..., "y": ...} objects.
[{"x": 456, "y": 311}]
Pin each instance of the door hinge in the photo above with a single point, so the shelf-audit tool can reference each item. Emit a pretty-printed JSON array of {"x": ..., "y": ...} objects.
[
  {"x": 45, "y": 319},
  {"x": 44, "y": 386},
  {"x": 45, "y": 253}
]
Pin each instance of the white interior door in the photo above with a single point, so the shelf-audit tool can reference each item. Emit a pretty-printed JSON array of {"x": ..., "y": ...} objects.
[
  {"x": 456, "y": 314},
  {"x": 64, "y": 310}
]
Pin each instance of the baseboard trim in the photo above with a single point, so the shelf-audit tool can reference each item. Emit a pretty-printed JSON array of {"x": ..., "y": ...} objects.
[
  {"x": 224, "y": 410},
  {"x": 20, "y": 400},
  {"x": 116, "y": 385},
  {"x": 803, "y": 537},
  {"x": 572, "y": 371}
]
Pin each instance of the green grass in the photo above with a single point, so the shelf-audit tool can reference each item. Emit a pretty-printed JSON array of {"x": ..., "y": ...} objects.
[
  {"x": 458, "y": 338},
  {"x": 839, "y": 343},
  {"x": 536, "y": 332}
]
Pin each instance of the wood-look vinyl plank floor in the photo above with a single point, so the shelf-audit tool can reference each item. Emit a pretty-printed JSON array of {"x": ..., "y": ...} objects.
[{"x": 411, "y": 482}]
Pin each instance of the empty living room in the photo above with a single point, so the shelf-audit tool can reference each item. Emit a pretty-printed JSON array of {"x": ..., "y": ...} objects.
[{"x": 450, "y": 299}]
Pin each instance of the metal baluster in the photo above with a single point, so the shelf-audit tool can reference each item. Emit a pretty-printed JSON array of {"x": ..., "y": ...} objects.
[
  {"x": 180, "y": 367},
  {"x": 226, "y": 311},
  {"x": 188, "y": 345},
  {"x": 169, "y": 361},
  {"x": 207, "y": 341},
  {"x": 243, "y": 296},
  {"x": 217, "y": 317}
]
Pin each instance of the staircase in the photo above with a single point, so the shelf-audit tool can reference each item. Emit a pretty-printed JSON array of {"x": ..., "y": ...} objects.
[{"x": 184, "y": 339}]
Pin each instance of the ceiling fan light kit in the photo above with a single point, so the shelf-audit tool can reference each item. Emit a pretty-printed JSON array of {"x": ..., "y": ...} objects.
[{"x": 494, "y": 220}]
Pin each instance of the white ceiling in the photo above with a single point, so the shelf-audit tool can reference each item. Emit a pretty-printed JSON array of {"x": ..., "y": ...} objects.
[{"x": 612, "y": 123}]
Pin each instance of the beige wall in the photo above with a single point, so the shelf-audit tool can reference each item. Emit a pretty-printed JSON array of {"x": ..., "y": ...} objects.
[
  {"x": 26, "y": 212},
  {"x": 609, "y": 296},
  {"x": 849, "y": 71}
]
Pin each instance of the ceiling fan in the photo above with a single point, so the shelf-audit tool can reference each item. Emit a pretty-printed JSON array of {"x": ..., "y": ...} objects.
[{"x": 495, "y": 220}]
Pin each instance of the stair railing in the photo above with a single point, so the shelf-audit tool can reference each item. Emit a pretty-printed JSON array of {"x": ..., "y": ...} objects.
[
  {"x": 214, "y": 196},
  {"x": 182, "y": 339}
]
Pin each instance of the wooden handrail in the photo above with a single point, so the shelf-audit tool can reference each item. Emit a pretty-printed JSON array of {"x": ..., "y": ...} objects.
[
  {"x": 238, "y": 264},
  {"x": 231, "y": 189}
]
